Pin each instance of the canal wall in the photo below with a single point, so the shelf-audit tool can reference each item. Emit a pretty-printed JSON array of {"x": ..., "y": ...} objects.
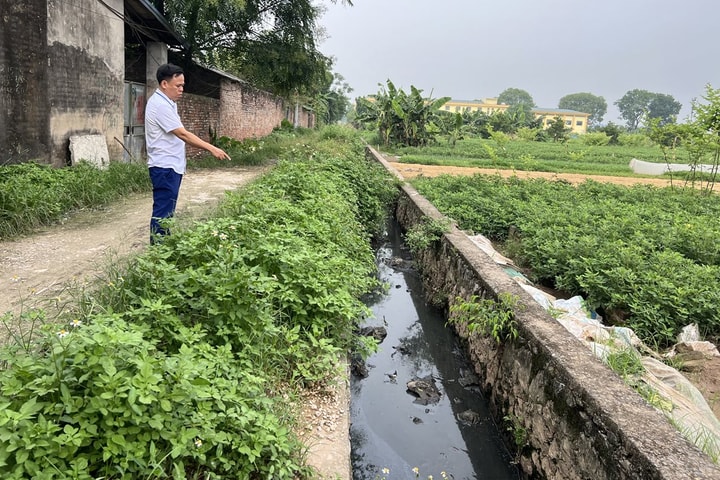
[{"x": 572, "y": 416}]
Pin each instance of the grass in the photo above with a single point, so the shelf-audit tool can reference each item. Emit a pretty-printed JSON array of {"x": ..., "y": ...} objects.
[{"x": 34, "y": 195}]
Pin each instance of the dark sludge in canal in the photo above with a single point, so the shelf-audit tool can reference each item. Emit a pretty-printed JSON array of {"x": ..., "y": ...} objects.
[{"x": 416, "y": 405}]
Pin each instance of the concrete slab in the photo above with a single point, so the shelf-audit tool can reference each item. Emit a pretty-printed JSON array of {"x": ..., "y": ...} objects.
[{"x": 90, "y": 148}]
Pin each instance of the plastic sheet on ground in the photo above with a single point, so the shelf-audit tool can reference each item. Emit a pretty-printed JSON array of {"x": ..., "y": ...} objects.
[{"x": 672, "y": 393}]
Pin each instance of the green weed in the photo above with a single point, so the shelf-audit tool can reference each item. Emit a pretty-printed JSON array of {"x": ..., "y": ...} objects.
[
  {"x": 488, "y": 316},
  {"x": 422, "y": 235},
  {"x": 182, "y": 361}
]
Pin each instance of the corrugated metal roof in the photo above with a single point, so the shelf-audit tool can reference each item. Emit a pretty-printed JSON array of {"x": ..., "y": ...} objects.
[{"x": 143, "y": 22}]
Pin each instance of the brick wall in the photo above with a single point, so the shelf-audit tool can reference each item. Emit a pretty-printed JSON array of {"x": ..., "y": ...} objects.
[
  {"x": 247, "y": 112},
  {"x": 306, "y": 118},
  {"x": 242, "y": 111},
  {"x": 199, "y": 115}
]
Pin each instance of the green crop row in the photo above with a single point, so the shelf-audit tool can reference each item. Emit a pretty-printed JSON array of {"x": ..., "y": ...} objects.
[
  {"x": 575, "y": 156},
  {"x": 645, "y": 257}
]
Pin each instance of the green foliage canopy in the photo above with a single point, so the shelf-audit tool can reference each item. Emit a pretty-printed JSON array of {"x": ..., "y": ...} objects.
[
  {"x": 637, "y": 105},
  {"x": 516, "y": 96},
  {"x": 269, "y": 43},
  {"x": 585, "y": 102},
  {"x": 402, "y": 118}
]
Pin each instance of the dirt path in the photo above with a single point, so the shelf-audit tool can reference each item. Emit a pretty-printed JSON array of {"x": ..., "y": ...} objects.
[
  {"x": 411, "y": 170},
  {"x": 38, "y": 267}
]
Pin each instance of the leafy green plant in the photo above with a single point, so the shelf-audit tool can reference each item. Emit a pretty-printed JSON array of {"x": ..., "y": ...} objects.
[
  {"x": 422, "y": 235},
  {"x": 519, "y": 432},
  {"x": 401, "y": 118},
  {"x": 643, "y": 257},
  {"x": 595, "y": 139},
  {"x": 34, "y": 195},
  {"x": 625, "y": 362},
  {"x": 100, "y": 400},
  {"x": 488, "y": 316}
]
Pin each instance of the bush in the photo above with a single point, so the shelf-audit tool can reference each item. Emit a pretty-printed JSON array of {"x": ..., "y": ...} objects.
[
  {"x": 173, "y": 368},
  {"x": 634, "y": 140},
  {"x": 595, "y": 139},
  {"x": 101, "y": 401}
]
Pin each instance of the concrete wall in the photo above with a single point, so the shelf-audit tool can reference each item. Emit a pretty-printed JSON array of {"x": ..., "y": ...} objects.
[
  {"x": 581, "y": 421},
  {"x": 85, "y": 72},
  {"x": 24, "y": 124},
  {"x": 62, "y": 72}
]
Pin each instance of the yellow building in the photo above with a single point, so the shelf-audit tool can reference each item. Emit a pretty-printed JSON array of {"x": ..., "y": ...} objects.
[{"x": 576, "y": 121}]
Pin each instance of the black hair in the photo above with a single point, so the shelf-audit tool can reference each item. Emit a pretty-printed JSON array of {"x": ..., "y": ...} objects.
[{"x": 167, "y": 72}]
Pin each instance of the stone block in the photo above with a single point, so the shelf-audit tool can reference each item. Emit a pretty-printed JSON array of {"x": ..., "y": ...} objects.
[{"x": 90, "y": 148}]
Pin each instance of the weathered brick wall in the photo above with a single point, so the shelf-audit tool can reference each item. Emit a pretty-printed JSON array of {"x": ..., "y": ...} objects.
[
  {"x": 24, "y": 124},
  {"x": 199, "y": 115},
  {"x": 85, "y": 68},
  {"x": 247, "y": 112},
  {"x": 580, "y": 421}
]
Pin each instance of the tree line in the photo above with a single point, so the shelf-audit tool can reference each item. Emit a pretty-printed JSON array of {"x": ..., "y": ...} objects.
[{"x": 637, "y": 107}]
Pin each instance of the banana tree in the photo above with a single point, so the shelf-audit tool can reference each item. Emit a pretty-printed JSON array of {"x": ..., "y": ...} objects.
[{"x": 402, "y": 118}]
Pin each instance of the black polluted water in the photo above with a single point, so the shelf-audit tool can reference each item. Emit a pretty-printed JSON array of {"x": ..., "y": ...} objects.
[{"x": 416, "y": 406}]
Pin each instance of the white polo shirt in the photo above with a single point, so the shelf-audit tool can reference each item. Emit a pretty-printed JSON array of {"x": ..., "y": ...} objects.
[{"x": 164, "y": 149}]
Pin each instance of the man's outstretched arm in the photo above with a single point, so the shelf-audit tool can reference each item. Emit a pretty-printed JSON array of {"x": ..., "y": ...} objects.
[{"x": 194, "y": 141}]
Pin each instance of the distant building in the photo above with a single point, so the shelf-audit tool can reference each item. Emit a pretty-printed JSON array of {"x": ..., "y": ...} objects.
[{"x": 576, "y": 121}]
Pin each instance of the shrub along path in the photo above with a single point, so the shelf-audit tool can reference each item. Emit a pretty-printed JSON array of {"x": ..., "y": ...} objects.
[{"x": 43, "y": 269}]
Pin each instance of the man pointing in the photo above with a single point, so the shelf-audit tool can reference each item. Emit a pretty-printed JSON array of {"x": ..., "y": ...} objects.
[{"x": 165, "y": 139}]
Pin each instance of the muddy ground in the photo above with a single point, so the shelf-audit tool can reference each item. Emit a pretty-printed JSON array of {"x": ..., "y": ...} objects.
[{"x": 44, "y": 268}]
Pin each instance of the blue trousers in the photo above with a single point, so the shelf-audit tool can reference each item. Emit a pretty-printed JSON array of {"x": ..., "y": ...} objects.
[{"x": 166, "y": 187}]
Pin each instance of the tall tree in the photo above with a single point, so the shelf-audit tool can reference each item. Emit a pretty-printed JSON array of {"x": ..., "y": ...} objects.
[
  {"x": 636, "y": 105},
  {"x": 587, "y": 103},
  {"x": 516, "y": 96},
  {"x": 633, "y": 105},
  {"x": 332, "y": 102},
  {"x": 557, "y": 130},
  {"x": 270, "y": 43},
  {"x": 664, "y": 107}
]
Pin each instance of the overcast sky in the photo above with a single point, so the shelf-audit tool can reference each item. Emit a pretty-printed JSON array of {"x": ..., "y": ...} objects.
[{"x": 473, "y": 49}]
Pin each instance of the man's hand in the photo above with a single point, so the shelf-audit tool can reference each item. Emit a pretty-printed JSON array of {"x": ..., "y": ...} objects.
[
  {"x": 195, "y": 141},
  {"x": 219, "y": 153}
]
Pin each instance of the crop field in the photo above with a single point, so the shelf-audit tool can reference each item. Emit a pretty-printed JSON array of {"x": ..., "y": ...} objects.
[
  {"x": 644, "y": 257},
  {"x": 574, "y": 156}
]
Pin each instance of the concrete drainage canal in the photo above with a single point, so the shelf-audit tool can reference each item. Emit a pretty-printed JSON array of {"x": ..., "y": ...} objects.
[{"x": 416, "y": 408}]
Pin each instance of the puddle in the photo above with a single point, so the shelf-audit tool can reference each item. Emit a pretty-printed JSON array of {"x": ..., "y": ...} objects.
[{"x": 392, "y": 428}]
